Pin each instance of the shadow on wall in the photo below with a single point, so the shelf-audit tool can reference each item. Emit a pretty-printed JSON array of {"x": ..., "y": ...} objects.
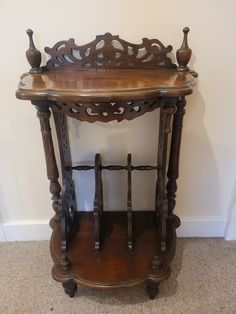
[
  {"x": 199, "y": 192},
  {"x": 199, "y": 189},
  {"x": 9, "y": 170},
  {"x": 1, "y": 219},
  {"x": 114, "y": 141},
  {"x": 140, "y": 140},
  {"x": 230, "y": 233}
]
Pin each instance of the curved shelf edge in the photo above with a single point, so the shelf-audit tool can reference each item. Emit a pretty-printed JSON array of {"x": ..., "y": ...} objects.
[
  {"x": 93, "y": 284},
  {"x": 80, "y": 272},
  {"x": 74, "y": 96}
]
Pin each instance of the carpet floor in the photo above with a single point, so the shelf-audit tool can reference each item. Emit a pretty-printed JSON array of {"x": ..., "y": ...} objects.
[{"x": 203, "y": 280}]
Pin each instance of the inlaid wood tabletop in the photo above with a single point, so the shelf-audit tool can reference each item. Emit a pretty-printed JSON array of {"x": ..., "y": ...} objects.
[{"x": 104, "y": 84}]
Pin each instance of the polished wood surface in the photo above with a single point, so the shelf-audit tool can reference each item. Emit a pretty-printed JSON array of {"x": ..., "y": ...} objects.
[
  {"x": 101, "y": 84},
  {"x": 110, "y": 79},
  {"x": 114, "y": 266},
  {"x": 110, "y": 51}
]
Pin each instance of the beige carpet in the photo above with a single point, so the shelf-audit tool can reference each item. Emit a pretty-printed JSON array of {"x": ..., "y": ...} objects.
[{"x": 203, "y": 281}]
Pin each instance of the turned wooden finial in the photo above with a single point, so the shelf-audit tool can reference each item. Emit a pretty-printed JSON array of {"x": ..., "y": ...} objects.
[
  {"x": 184, "y": 53},
  {"x": 32, "y": 54}
]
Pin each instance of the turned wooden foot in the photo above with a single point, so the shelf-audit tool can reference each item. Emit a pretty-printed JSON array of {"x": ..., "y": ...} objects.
[
  {"x": 70, "y": 288},
  {"x": 160, "y": 271},
  {"x": 152, "y": 289}
]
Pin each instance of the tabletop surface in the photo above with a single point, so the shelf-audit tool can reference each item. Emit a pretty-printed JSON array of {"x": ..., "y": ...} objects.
[{"x": 104, "y": 84}]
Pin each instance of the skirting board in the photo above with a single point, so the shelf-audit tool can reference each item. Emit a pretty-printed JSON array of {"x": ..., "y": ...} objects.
[
  {"x": 230, "y": 230},
  {"x": 2, "y": 237},
  {"x": 201, "y": 227},
  {"x": 40, "y": 230},
  {"x": 29, "y": 230}
]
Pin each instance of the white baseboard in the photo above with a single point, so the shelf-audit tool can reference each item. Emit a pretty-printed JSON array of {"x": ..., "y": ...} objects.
[
  {"x": 28, "y": 230},
  {"x": 230, "y": 230},
  {"x": 40, "y": 230},
  {"x": 201, "y": 227},
  {"x": 2, "y": 237}
]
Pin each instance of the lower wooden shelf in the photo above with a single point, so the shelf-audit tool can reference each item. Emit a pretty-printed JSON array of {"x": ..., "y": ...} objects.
[{"x": 114, "y": 265}]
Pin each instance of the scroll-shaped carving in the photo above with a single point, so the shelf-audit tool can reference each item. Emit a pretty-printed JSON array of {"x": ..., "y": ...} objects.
[
  {"x": 108, "y": 51},
  {"x": 173, "y": 168},
  {"x": 68, "y": 200},
  {"x": 106, "y": 112}
]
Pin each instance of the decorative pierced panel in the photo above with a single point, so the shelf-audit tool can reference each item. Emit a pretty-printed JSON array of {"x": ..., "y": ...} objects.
[
  {"x": 108, "y": 111},
  {"x": 65, "y": 155},
  {"x": 108, "y": 51}
]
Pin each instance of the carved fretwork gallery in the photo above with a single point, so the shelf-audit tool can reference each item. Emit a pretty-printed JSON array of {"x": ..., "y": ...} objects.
[{"x": 110, "y": 79}]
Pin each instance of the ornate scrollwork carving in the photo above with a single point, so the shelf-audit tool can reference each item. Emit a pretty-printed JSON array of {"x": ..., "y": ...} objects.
[
  {"x": 68, "y": 200},
  {"x": 108, "y": 51},
  {"x": 107, "y": 111}
]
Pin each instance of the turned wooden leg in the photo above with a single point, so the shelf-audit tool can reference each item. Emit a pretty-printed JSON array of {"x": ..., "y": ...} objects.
[
  {"x": 161, "y": 199},
  {"x": 70, "y": 288},
  {"x": 52, "y": 171},
  {"x": 152, "y": 289},
  {"x": 160, "y": 271},
  {"x": 173, "y": 169}
]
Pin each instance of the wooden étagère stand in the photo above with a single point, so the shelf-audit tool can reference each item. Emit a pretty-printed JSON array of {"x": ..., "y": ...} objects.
[{"x": 110, "y": 79}]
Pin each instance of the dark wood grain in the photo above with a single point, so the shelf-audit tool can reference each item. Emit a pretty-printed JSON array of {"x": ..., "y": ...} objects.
[
  {"x": 109, "y": 51},
  {"x": 108, "y": 111},
  {"x": 173, "y": 168},
  {"x": 71, "y": 85},
  {"x": 70, "y": 288},
  {"x": 161, "y": 198},
  {"x": 114, "y": 266},
  {"x": 98, "y": 201},
  {"x": 129, "y": 202},
  {"x": 68, "y": 200},
  {"x": 33, "y": 55},
  {"x": 52, "y": 172},
  {"x": 104, "y": 80},
  {"x": 184, "y": 53}
]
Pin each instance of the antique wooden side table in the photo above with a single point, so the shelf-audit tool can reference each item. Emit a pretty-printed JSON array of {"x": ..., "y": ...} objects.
[{"x": 110, "y": 79}]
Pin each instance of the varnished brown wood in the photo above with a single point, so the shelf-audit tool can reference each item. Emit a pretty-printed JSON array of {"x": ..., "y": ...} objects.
[
  {"x": 109, "y": 51},
  {"x": 98, "y": 201},
  {"x": 173, "y": 169},
  {"x": 114, "y": 167},
  {"x": 115, "y": 266},
  {"x": 68, "y": 200},
  {"x": 110, "y": 79},
  {"x": 108, "y": 111},
  {"x": 160, "y": 271},
  {"x": 129, "y": 202},
  {"x": 71, "y": 85},
  {"x": 33, "y": 55},
  {"x": 52, "y": 172},
  {"x": 152, "y": 289},
  {"x": 161, "y": 198},
  {"x": 70, "y": 288},
  {"x": 184, "y": 53}
]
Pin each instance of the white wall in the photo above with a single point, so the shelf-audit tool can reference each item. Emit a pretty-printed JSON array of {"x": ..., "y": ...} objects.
[{"x": 208, "y": 168}]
